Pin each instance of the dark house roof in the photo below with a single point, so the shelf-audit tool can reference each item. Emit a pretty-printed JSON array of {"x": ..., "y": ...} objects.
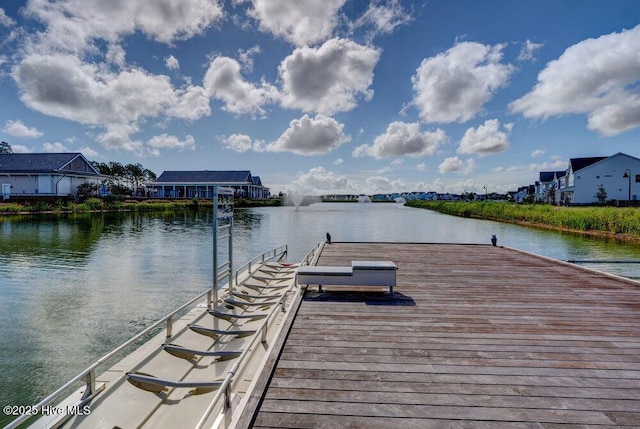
[
  {"x": 206, "y": 176},
  {"x": 548, "y": 176},
  {"x": 72, "y": 162},
  {"x": 580, "y": 163},
  {"x": 257, "y": 181}
]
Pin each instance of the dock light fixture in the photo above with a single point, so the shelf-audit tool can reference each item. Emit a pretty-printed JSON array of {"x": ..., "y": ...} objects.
[{"x": 627, "y": 175}]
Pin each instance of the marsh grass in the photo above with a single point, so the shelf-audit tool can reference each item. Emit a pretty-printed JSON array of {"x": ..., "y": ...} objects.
[
  {"x": 97, "y": 205},
  {"x": 101, "y": 205},
  {"x": 609, "y": 220}
]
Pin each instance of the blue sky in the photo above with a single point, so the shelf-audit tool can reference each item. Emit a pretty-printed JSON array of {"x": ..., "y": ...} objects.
[{"x": 326, "y": 96}]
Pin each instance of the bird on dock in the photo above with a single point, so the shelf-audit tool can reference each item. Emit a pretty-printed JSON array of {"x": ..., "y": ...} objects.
[
  {"x": 494, "y": 240},
  {"x": 328, "y": 238}
]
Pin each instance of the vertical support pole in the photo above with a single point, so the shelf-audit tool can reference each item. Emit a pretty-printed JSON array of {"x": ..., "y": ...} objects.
[
  {"x": 215, "y": 247},
  {"x": 90, "y": 380},
  {"x": 230, "y": 281},
  {"x": 169, "y": 326}
]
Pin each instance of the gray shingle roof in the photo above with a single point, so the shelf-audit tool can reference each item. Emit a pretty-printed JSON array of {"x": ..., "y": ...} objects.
[
  {"x": 38, "y": 162},
  {"x": 206, "y": 176}
]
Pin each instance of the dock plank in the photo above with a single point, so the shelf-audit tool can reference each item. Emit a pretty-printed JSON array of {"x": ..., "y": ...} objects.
[{"x": 475, "y": 336}]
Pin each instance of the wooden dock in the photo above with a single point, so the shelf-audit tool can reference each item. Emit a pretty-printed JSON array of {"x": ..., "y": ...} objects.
[{"x": 475, "y": 337}]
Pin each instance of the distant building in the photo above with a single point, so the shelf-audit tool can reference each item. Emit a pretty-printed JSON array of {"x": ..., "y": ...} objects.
[
  {"x": 618, "y": 174},
  {"x": 199, "y": 184},
  {"x": 44, "y": 174},
  {"x": 547, "y": 188}
]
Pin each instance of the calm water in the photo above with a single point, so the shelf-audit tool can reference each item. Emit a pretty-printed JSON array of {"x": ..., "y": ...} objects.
[{"x": 71, "y": 290}]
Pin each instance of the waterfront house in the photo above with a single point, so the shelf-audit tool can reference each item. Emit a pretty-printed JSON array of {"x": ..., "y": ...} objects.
[
  {"x": 548, "y": 185},
  {"x": 29, "y": 175},
  {"x": 523, "y": 192},
  {"x": 618, "y": 174},
  {"x": 199, "y": 184}
]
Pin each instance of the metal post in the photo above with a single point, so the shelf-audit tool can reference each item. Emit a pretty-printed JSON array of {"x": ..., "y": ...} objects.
[
  {"x": 90, "y": 380},
  {"x": 215, "y": 246},
  {"x": 169, "y": 326},
  {"x": 627, "y": 174},
  {"x": 230, "y": 284}
]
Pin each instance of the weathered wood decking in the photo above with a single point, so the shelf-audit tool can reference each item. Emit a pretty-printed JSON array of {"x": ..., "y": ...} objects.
[{"x": 475, "y": 337}]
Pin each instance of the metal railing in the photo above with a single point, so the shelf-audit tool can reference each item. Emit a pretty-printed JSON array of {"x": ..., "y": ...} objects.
[
  {"x": 89, "y": 374},
  {"x": 225, "y": 389},
  {"x": 266, "y": 256},
  {"x": 309, "y": 257}
]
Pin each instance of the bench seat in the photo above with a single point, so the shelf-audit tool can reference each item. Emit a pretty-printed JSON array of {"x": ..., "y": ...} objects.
[{"x": 360, "y": 273}]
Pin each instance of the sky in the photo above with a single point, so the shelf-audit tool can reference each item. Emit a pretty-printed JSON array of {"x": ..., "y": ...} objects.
[{"x": 326, "y": 96}]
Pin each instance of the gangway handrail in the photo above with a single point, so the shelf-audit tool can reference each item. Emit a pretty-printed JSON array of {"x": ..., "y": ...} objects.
[
  {"x": 282, "y": 250},
  {"x": 89, "y": 373},
  {"x": 225, "y": 388}
]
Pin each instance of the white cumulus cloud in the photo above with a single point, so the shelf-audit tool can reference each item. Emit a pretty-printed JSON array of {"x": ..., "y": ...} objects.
[
  {"x": 328, "y": 79},
  {"x": 382, "y": 17},
  {"x": 456, "y": 165},
  {"x": 56, "y": 147},
  {"x": 487, "y": 139},
  {"x": 19, "y": 129},
  {"x": 91, "y": 95},
  {"x": 596, "y": 77},
  {"x": 75, "y": 25},
  {"x": 242, "y": 143},
  {"x": 81, "y": 44},
  {"x": 454, "y": 86},
  {"x": 223, "y": 81},
  {"x": 310, "y": 136},
  {"x": 377, "y": 184},
  {"x": 172, "y": 63},
  {"x": 319, "y": 181},
  {"x": 171, "y": 141},
  {"x": 301, "y": 22},
  {"x": 403, "y": 139}
]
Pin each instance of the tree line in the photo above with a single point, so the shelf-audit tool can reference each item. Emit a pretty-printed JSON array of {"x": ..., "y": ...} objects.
[{"x": 124, "y": 179}]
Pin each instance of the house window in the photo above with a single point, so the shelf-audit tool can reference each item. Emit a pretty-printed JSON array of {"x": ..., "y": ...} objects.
[{"x": 637, "y": 178}]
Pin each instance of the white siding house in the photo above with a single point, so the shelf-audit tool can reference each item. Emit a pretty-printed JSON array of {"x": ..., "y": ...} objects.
[
  {"x": 618, "y": 174},
  {"x": 547, "y": 188},
  {"x": 44, "y": 174}
]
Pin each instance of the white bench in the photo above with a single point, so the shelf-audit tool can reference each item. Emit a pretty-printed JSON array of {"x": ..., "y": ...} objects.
[{"x": 360, "y": 273}]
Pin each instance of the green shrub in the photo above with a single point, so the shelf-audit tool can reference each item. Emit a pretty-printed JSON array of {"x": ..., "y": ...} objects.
[{"x": 96, "y": 204}]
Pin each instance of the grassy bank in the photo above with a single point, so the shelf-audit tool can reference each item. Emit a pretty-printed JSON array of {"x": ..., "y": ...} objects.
[
  {"x": 623, "y": 223},
  {"x": 116, "y": 205}
]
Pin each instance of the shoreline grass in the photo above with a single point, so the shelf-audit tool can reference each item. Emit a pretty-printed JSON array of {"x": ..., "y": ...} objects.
[
  {"x": 99, "y": 205},
  {"x": 616, "y": 222}
]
